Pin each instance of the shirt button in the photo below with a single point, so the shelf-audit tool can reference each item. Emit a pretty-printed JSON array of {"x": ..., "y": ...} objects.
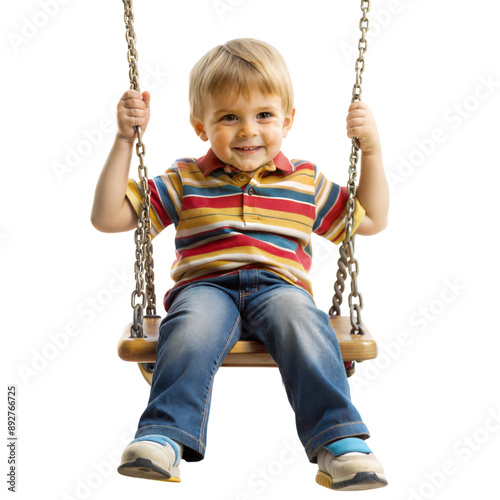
[
  {"x": 242, "y": 178},
  {"x": 251, "y": 191},
  {"x": 227, "y": 170}
]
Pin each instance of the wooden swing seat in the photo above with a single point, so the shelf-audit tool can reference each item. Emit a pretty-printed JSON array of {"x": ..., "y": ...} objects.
[{"x": 246, "y": 353}]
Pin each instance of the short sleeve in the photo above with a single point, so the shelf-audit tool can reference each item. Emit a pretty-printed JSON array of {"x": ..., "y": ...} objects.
[
  {"x": 331, "y": 209},
  {"x": 166, "y": 198}
]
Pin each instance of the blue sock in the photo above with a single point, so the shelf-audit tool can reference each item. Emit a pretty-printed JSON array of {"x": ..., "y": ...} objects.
[
  {"x": 157, "y": 438},
  {"x": 347, "y": 445}
]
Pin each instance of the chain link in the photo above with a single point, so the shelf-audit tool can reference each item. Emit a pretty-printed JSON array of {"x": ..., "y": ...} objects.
[
  {"x": 347, "y": 259},
  {"x": 339, "y": 285},
  {"x": 144, "y": 292}
]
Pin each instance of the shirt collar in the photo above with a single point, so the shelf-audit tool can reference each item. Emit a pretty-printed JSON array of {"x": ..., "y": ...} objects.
[{"x": 210, "y": 162}]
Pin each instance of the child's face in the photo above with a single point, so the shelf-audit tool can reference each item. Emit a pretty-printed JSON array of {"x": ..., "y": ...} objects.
[{"x": 245, "y": 132}]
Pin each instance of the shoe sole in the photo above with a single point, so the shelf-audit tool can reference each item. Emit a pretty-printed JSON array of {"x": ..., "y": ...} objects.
[
  {"x": 146, "y": 469},
  {"x": 358, "y": 482}
]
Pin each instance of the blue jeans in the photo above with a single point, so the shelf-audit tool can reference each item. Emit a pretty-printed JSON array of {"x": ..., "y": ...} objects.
[{"x": 207, "y": 318}]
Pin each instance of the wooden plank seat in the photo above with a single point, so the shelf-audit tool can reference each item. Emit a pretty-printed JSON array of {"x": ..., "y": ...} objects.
[{"x": 246, "y": 353}]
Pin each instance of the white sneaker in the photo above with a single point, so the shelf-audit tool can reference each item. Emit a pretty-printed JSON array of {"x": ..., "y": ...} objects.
[
  {"x": 150, "y": 459},
  {"x": 350, "y": 472}
]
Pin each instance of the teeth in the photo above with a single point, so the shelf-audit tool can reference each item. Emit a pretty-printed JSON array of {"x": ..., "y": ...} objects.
[{"x": 250, "y": 149}]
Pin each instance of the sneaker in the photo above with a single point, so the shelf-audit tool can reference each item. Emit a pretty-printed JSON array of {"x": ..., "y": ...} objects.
[
  {"x": 350, "y": 472},
  {"x": 151, "y": 457}
]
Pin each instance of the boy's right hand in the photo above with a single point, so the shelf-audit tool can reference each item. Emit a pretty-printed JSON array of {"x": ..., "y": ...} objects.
[{"x": 133, "y": 109}]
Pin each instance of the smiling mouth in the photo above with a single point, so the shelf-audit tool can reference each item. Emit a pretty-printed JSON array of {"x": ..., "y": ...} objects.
[{"x": 254, "y": 148}]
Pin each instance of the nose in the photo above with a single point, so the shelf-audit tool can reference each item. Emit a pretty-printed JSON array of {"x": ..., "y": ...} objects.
[{"x": 247, "y": 129}]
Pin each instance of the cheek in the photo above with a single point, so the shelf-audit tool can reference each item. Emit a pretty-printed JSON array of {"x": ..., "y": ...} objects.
[
  {"x": 276, "y": 135},
  {"x": 220, "y": 139}
]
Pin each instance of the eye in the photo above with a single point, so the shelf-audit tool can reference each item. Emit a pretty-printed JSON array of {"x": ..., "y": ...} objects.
[
  {"x": 264, "y": 115},
  {"x": 229, "y": 118}
]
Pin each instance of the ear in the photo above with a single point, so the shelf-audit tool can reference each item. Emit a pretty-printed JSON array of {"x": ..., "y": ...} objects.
[
  {"x": 288, "y": 122},
  {"x": 199, "y": 129}
]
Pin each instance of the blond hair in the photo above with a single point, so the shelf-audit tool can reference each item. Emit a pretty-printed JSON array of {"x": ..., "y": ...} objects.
[{"x": 240, "y": 65}]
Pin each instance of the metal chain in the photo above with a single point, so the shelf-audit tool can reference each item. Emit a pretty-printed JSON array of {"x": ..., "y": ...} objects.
[
  {"x": 339, "y": 285},
  {"x": 144, "y": 263},
  {"x": 347, "y": 258}
]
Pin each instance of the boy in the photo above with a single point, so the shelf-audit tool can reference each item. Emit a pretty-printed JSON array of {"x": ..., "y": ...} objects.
[{"x": 244, "y": 215}]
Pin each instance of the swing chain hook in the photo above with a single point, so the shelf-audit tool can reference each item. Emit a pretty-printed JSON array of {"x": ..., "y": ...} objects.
[
  {"x": 347, "y": 261},
  {"x": 144, "y": 264}
]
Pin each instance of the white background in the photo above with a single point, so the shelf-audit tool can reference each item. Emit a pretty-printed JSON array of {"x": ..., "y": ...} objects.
[{"x": 429, "y": 280}]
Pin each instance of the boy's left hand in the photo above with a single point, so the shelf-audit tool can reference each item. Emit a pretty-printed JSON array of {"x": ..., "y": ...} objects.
[{"x": 361, "y": 124}]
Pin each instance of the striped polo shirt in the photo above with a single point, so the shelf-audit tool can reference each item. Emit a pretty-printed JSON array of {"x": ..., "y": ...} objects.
[{"x": 227, "y": 220}]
